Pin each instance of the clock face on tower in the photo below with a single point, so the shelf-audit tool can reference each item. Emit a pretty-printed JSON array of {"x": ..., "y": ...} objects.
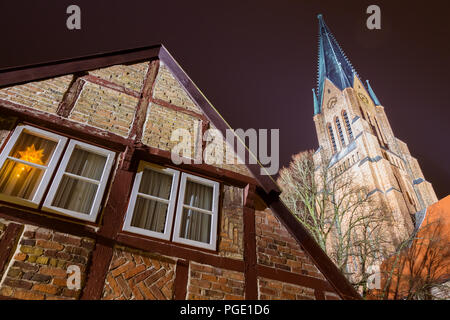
[
  {"x": 331, "y": 102},
  {"x": 363, "y": 98}
]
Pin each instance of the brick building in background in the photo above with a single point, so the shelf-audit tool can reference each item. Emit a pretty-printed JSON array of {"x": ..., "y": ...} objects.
[{"x": 86, "y": 179}]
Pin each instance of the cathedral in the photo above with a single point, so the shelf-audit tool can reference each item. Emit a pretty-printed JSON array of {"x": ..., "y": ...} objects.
[{"x": 355, "y": 138}]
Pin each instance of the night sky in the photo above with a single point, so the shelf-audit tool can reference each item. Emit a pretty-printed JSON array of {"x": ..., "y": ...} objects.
[{"x": 256, "y": 61}]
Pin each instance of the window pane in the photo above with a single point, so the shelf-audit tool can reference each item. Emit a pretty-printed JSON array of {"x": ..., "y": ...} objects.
[
  {"x": 86, "y": 164},
  {"x": 149, "y": 214},
  {"x": 19, "y": 180},
  {"x": 75, "y": 195},
  {"x": 195, "y": 226},
  {"x": 156, "y": 184},
  {"x": 32, "y": 148},
  {"x": 198, "y": 195}
]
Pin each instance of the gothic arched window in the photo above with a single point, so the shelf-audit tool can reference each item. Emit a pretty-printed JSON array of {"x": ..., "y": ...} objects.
[
  {"x": 339, "y": 129},
  {"x": 331, "y": 134},
  {"x": 347, "y": 125}
]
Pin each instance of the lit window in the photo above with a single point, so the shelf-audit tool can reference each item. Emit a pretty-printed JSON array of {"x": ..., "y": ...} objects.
[
  {"x": 152, "y": 201},
  {"x": 31, "y": 157},
  {"x": 78, "y": 187},
  {"x": 27, "y": 163},
  {"x": 197, "y": 212}
]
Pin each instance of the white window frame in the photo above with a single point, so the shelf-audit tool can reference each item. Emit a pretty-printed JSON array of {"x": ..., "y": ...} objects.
[
  {"x": 92, "y": 216},
  {"x": 171, "y": 202},
  {"x": 48, "y": 169},
  {"x": 214, "y": 213}
]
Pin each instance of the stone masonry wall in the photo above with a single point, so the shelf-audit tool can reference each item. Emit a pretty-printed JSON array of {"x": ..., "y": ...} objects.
[
  {"x": 38, "y": 269},
  {"x": 135, "y": 275},
  {"x": 210, "y": 283},
  {"x": 276, "y": 248}
]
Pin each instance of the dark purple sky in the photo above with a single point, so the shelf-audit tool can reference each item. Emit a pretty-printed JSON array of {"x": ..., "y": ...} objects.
[{"x": 256, "y": 60}]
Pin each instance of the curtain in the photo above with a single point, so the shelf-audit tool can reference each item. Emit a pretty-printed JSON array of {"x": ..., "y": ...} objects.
[
  {"x": 75, "y": 194},
  {"x": 18, "y": 179},
  {"x": 86, "y": 164},
  {"x": 151, "y": 214},
  {"x": 196, "y": 225}
]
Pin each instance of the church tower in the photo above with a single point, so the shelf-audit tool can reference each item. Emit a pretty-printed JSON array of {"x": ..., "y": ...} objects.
[{"x": 355, "y": 137}]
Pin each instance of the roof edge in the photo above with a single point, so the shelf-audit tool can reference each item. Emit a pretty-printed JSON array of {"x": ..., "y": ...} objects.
[{"x": 26, "y": 73}]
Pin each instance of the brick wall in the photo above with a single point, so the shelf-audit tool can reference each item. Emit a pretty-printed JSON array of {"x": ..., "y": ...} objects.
[
  {"x": 276, "y": 248},
  {"x": 226, "y": 158},
  {"x": 231, "y": 222},
  {"x": 162, "y": 121},
  {"x": 139, "y": 276},
  {"x": 105, "y": 109},
  {"x": 38, "y": 269},
  {"x": 277, "y": 290},
  {"x": 129, "y": 76},
  {"x": 211, "y": 283},
  {"x": 168, "y": 89},
  {"x": 43, "y": 95}
]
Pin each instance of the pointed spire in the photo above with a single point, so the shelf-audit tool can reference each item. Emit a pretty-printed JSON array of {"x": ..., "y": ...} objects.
[
  {"x": 316, "y": 104},
  {"x": 333, "y": 63},
  {"x": 372, "y": 94}
]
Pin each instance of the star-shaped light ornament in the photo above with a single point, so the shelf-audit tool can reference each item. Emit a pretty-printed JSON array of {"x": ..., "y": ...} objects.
[{"x": 30, "y": 155}]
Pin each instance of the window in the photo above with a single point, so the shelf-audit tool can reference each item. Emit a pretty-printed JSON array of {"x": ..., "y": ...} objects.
[
  {"x": 29, "y": 160},
  {"x": 80, "y": 181},
  {"x": 152, "y": 201},
  {"x": 339, "y": 129},
  {"x": 196, "y": 220},
  {"x": 347, "y": 125},
  {"x": 331, "y": 134},
  {"x": 152, "y": 206},
  {"x": 27, "y": 163}
]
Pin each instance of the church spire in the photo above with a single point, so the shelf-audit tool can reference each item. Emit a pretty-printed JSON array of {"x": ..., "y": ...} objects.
[
  {"x": 372, "y": 94},
  {"x": 333, "y": 63}
]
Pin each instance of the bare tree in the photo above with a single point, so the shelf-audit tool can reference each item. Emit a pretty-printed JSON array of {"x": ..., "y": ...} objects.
[{"x": 339, "y": 213}]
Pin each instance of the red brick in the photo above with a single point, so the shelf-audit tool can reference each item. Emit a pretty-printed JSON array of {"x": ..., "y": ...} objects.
[
  {"x": 46, "y": 288},
  {"x": 145, "y": 291},
  {"x": 132, "y": 272},
  {"x": 49, "y": 245},
  {"x": 66, "y": 239},
  {"x": 22, "y": 284},
  {"x": 53, "y": 272},
  {"x": 123, "y": 268},
  {"x": 70, "y": 293},
  {"x": 27, "y": 295}
]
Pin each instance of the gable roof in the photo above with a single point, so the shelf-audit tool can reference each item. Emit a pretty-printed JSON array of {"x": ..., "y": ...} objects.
[{"x": 267, "y": 188}]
